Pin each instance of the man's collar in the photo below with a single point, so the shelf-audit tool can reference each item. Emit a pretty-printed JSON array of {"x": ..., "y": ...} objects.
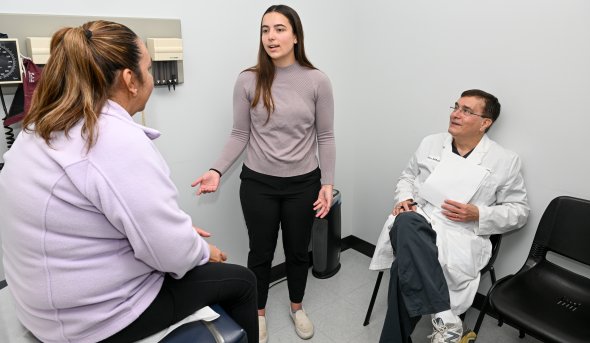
[{"x": 478, "y": 152}]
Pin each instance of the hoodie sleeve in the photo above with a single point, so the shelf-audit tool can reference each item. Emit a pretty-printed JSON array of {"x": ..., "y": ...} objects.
[{"x": 128, "y": 181}]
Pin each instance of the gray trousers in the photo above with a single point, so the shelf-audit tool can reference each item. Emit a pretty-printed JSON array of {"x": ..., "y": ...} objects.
[{"x": 417, "y": 285}]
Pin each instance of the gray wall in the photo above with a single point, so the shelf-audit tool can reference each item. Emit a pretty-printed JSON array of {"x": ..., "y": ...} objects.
[
  {"x": 417, "y": 57},
  {"x": 396, "y": 67}
]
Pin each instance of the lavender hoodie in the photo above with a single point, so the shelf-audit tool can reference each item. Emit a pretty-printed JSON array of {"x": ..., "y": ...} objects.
[{"x": 88, "y": 236}]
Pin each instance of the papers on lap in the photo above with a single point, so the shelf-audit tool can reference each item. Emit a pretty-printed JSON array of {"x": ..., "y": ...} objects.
[{"x": 455, "y": 178}]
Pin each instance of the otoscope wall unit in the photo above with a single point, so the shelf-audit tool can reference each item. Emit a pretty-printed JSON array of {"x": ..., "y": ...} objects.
[{"x": 167, "y": 56}]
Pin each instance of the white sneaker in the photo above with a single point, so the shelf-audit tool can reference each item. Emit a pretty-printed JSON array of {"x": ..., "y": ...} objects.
[
  {"x": 262, "y": 333},
  {"x": 446, "y": 333},
  {"x": 303, "y": 326}
]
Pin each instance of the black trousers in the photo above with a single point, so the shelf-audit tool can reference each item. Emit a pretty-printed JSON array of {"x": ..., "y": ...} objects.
[
  {"x": 417, "y": 285},
  {"x": 231, "y": 286},
  {"x": 269, "y": 202}
]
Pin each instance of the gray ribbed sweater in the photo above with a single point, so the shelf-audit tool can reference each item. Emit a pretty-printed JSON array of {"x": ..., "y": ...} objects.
[{"x": 300, "y": 128}]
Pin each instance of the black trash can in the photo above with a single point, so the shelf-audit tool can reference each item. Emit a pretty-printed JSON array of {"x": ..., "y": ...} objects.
[{"x": 325, "y": 238}]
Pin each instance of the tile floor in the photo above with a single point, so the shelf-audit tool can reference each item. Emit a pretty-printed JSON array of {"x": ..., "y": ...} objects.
[{"x": 338, "y": 305}]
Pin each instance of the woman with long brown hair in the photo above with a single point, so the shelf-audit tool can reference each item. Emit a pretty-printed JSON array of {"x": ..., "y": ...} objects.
[
  {"x": 284, "y": 118},
  {"x": 95, "y": 244}
]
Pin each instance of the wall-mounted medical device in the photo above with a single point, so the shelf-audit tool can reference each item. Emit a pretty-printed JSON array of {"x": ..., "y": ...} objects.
[
  {"x": 10, "y": 73},
  {"x": 38, "y": 49},
  {"x": 10, "y": 67},
  {"x": 167, "y": 56}
]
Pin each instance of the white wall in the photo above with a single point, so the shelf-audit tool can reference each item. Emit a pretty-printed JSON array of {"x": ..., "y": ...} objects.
[{"x": 396, "y": 67}]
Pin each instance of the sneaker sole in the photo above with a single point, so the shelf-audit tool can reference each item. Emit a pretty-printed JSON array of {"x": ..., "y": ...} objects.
[{"x": 303, "y": 335}]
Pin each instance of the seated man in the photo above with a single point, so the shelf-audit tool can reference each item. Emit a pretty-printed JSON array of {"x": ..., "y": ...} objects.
[{"x": 440, "y": 248}]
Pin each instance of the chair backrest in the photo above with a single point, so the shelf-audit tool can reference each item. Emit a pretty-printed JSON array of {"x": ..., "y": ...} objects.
[{"x": 564, "y": 229}]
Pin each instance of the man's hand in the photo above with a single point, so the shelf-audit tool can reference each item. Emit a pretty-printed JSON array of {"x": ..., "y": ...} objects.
[
  {"x": 208, "y": 182},
  {"x": 216, "y": 255},
  {"x": 404, "y": 206},
  {"x": 459, "y": 212}
]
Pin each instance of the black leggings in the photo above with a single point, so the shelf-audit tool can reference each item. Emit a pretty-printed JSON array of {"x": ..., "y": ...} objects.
[
  {"x": 231, "y": 286},
  {"x": 269, "y": 202}
]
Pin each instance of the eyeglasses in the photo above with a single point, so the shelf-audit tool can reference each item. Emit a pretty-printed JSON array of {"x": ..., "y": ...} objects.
[{"x": 466, "y": 111}]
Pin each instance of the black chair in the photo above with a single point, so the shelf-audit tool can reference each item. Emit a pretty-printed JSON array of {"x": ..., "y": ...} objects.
[
  {"x": 547, "y": 301},
  {"x": 495, "y": 239}
]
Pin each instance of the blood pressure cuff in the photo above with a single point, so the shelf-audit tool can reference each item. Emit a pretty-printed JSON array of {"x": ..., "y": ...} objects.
[{"x": 24, "y": 93}]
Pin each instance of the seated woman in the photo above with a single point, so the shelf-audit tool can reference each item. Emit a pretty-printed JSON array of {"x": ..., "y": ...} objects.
[{"x": 95, "y": 244}]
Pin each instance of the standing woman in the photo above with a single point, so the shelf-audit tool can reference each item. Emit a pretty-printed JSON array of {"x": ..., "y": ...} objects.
[
  {"x": 95, "y": 245},
  {"x": 284, "y": 118}
]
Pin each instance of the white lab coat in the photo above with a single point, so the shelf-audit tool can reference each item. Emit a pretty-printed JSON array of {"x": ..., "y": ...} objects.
[{"x": 463, "y": 248}]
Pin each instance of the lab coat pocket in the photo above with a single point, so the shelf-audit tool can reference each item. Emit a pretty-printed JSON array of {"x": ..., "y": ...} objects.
[{"x": 462, "y": 256}]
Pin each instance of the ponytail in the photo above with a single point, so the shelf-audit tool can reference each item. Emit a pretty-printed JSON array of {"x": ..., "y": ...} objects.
[{"x": 76, "y": 80}]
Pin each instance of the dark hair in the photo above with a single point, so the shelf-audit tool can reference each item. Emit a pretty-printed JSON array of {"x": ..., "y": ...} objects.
[
  {"x": 79, "y": 75},
  {"x": 265, "y": 69},
  {"x": 492, "y": 105}
]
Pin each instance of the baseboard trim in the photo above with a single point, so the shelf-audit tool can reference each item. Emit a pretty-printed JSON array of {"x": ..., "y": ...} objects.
[
  {"x": 353, "y": 242},
  {"x": 349, "y": 242}
]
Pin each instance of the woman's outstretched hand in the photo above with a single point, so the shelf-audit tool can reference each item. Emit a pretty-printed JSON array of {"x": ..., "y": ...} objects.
[{"x": 207, "y": 183}]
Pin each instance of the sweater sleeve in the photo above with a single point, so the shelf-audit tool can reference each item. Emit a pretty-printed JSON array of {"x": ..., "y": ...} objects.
[
  {"x": 325, "y": 130},
  {"x": 240, "y": 133}
]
